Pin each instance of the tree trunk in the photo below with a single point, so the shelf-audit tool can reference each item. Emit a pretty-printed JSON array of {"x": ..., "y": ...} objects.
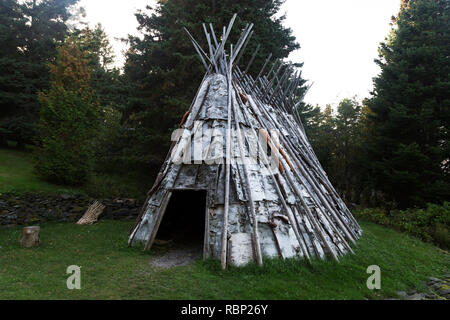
[{"x": 30, "y": 237}]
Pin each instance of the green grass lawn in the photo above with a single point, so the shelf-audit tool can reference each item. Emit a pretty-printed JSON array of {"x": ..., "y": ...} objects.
[
  {"x": 17, "y": 176},
  {"x": 111, "y": 270}
]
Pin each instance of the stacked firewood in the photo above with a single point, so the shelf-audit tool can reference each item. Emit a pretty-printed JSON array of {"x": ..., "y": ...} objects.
[{"x": 92, "y": 213}]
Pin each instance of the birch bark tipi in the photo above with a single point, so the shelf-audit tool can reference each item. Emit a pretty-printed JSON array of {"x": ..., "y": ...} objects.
[{"x": 242, "y": 145}]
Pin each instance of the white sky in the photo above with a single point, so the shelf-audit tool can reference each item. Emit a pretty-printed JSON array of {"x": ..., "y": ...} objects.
[{"x": 338, "y": 38}]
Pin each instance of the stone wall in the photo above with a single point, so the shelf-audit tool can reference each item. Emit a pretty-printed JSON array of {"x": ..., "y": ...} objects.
[{"x": 30, "y": 208}]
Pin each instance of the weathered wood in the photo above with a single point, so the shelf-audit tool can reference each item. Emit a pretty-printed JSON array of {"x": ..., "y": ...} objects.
[
  {"x": 30, "y": 237},
  {"x": 243, "y": 48},
  {"x": 246, "y": 35},
  {"x": 252, "y": 87},
  {"x": 283, "y": 201},
  {"x": 338, "y": 220},
  {"x": 252, "y": 59},
  {"x": 92, "y": 213},
  {"x": 165, "y": 166},
  {"x": 160, "y": 215},
  {"x": 214, "y": 35},
  {"x": 318, "y": 192},
  {"x": 223, "y": 258},
  {"x": 211, "y": 48},
  {"x": 302, "y": 200},
  {"x": 251, "y": 203},
  {"x": 297, "y": 198},
  {"x": 206, "y": 249}
]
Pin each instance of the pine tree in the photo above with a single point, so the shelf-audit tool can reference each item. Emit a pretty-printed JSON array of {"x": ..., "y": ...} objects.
[
  {"x": 69, "y": 117},
  {"x": 410, "y": 150},
  {"x": 347, "y": 151},
  {"x": 29, "y": 33},
  {"x": 12, "y": 79},
  {"x": 111, "y": 90},
  {"x": 165, "y": 70},
  {"x": 106, "y": 79},
  {"x": 337, "y": 139}
]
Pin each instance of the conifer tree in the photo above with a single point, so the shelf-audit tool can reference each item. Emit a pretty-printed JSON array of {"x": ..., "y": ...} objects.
[
  {"x": 30, "y": 31},
  {"x": 410, "y": 150},
  {"x": 106, "y": 79}
]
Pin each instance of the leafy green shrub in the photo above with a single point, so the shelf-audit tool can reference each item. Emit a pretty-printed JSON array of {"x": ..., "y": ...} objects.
[
  {"x": 69, "y": 119},
  {"x": 431, "y": 224}
]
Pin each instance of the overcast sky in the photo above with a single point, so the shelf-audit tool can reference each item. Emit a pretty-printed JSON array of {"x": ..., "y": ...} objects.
[{"x": 338, "y": 38}]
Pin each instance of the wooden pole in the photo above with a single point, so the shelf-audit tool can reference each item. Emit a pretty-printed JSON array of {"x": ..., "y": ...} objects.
[
  {"x": 223, "y": 256},
  {"x": 294, "y": 187},
  {"x": 256, "y": 242},
  {"x": 337, "y": 217},
  {"x": 261, "y": 72},
  {"x": 281, "y": 197},
  {"x": 305, "y": 174},
  {"x": 252, "y": 59}
]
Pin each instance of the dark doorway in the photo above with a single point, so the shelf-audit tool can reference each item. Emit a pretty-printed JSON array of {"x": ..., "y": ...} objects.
[{"x": 184, "y": 220}]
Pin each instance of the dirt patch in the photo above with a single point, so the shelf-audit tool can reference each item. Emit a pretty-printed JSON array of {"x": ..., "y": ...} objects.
[{"x": 177, "y": 256}]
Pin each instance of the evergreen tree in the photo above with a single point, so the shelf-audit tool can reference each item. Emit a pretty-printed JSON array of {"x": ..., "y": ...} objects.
[
  {"x": 320, "y": 127},
  {"x": 410, "y": 150},
  {"x": 338, "y": 139},
  {"x": 165, "y": 70},
  {"x": 69, "y": 118},
  {"x": 310, "y": 116},
  {"x": 12, "y": 93},
  {"x": 347, "y": 149},
  {"x": 106, "y": 80},
  {"x": 111, "y": 90},
  {"x": 30, "y": 32}
]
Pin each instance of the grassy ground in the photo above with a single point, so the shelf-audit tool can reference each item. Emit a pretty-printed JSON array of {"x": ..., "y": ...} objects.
[
  {"x": 17, "y": 176},
  {"x": 111, "y": 270}
]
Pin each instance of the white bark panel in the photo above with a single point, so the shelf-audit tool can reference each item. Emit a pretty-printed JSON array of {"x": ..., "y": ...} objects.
[{"x": 240, "y": 249}]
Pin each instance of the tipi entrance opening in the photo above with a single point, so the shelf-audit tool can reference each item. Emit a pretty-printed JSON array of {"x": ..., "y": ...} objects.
[{"x": 183, "y": 222}]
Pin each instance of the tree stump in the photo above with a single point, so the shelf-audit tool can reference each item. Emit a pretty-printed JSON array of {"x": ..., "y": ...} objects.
[{"x": 30, "y": 237}]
